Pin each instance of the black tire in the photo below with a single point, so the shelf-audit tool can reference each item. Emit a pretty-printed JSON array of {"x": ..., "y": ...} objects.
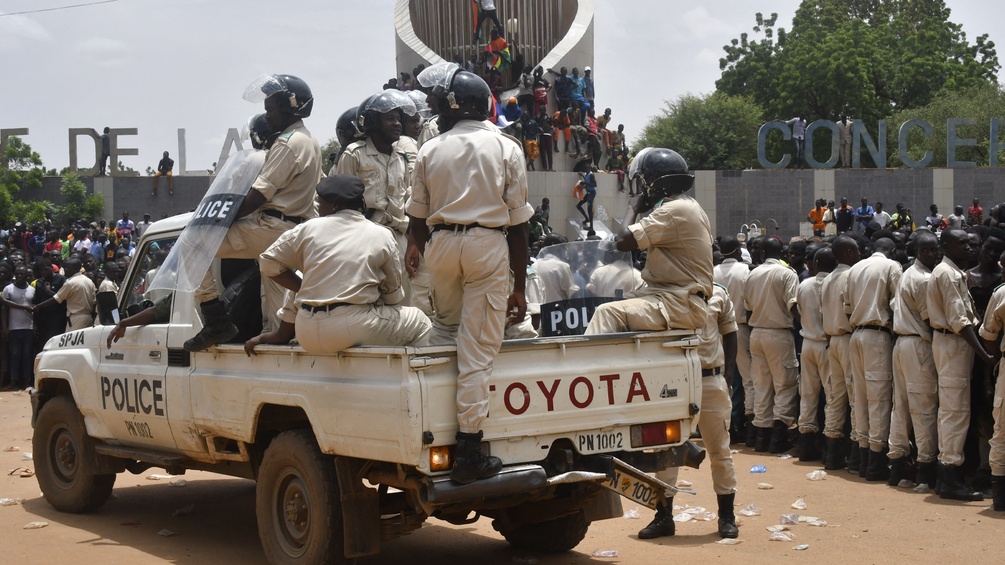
[
  {"x": 298, "y": 503},
  {"x": 64, "y": 459},
  {"x": 553, "y": 536}
]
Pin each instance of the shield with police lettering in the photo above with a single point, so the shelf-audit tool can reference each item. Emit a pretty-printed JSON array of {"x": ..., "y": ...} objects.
[{"x": 193, "y": 254}]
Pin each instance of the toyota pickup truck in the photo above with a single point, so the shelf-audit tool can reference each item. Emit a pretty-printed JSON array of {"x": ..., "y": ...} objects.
[{"x": 352, "y": 450}]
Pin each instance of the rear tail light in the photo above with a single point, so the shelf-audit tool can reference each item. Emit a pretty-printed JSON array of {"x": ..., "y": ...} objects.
[
  {"x": 656, "y": 433},
  {"x": 441, "y": 458}
]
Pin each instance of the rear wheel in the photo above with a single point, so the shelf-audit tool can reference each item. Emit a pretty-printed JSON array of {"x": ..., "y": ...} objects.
[
  {"x": 552, "y": 536},
  {"x": 298, "y": 503},
  {"x": 65, "y": 460}
]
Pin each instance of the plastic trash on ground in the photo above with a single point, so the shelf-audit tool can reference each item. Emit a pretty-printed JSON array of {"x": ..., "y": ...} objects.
[
  {"x": 605, "y": 553},
  {"x": 816, "y": 475},
  {"x": 750, "y": 510},
  {"x": 26, "y": 456},
  {"x": 906, "y": 483},
  {"x": 730, "y": 541},
  {"x": 35, "y": 525},
  {"x": 782, "y": 536},
  {"x": 758, "y": 469},
  {"x": 696, "y": 513},
  {"x": 178, "y": 483},
  {"x": 777, "y": 528},
  {"x": 10, "y": 501},
  {"x": 812, "y": 521},
  {"x": 185, "y": 510},
  {"x": 765, "y": 486},
  {"x": 166, "y": 533},
  {"x": 799, "y": 504},
  {"x": 684, "y": 484},
  {"x": 801, "y": 547},
  {"x": 922, "y": 489},
  {"x": 631, "y": 514},
  {"x": 789, "y": 519},
  {"x": 785, "y": 456},
  {"x": 11, "y": 449},
  {"x": 159, "y": 477}
]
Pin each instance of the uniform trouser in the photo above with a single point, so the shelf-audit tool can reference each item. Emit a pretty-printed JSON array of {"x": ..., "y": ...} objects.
[
  {"x": 954, "y": 360},
  {"x": 247, "y": 238},
  {"x": 470, "y": 286},
  {"x": 360, "y": 324},
  {"x": 420, "y": 288},
  {"x": 80, "y": 321},
  {"x": 915, "y": 399},
  {"x": 872, "y": 372},
  {"x": 713, "y": 420},
  {"x": 743, "y": 366},
  {"x": 661, "y": 310},
  {"x": 406, "y": 282},
  {"x": 997, "y": 455},
  {"x": 812, "y": 373},
  {"x": 774, "y": 366},
  {"x": 837, "y": 386}
]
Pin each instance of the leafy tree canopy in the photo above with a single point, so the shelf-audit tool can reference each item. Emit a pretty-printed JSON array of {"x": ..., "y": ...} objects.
[
  {"x": 20, "y": 168},
  {"x": 711, "y": 132},
  {"x": 76, "y": 202}
]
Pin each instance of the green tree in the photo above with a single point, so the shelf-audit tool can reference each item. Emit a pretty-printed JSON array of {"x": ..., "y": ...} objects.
[
  {"x": 76, "y": 202},
  {"x": 711, "y": 132},
  {"x": 20, "y": 169}
]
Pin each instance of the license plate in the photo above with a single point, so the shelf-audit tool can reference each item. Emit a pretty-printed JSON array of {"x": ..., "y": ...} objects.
[
  {"x": 603, "y": 442},
  {"x": 635, "y": 485}
]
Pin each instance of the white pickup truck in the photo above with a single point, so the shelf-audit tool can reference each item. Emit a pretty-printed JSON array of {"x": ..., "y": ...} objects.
[{"x": 352, "y": 450}]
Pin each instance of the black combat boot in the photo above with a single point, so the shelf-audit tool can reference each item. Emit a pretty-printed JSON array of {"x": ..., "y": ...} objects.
[
  {"x": 898, "y": 471},
  {"x": 855, "y": 459},
  {"x": 928, "y": 474},
  {"x": 217, "y": 327},
  {"x": 953, "y": 487},
  {"x": 470, "y": 464},
  {"x": 727, "y": 520},
  {"x": 835, "y": 454},
  {"x": 997, "y": 494},
  {"x": 863, "y": 465},
  {"x": 662, "y": 524},
  {"x": 879, "y": 466},
  {"x": 751, "y": 431},
  {"x": 808, "y": 447},
  {"x": 763, "y": 440},
  {"x": 779, "y": 437}
]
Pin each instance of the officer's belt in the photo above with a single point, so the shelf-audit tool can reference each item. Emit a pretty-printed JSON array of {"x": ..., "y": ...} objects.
[
  {"x": 711, "y": 372},
  {"x": 324, "y": 307},
  {"x": 282, "y": 216},
  {"x": 874, "y": 328},
  {"x": 465, "y": 227},
  {"x": 944, "y": 331}
]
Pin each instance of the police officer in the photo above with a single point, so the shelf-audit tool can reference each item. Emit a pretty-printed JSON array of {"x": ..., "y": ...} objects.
[
  {"x": 351, "y": 286},
  {"x": 732, "y": 273},
  {"x": 469, "y": 202},
  {"x": 813, "y": 354},
  {"x": 281, "y": 197},
  {"x": 994, "y": 322}
]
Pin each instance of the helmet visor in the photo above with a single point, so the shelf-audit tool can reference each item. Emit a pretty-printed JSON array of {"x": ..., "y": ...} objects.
[
  {"x": 391, "y": 100},
  {"x": 438, "y": 74},
  {"x": 263, "y": 87},
  {"x": 633, "y": 169}
]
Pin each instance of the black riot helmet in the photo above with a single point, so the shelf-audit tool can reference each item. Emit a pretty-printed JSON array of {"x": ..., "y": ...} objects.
[
  {"x": 293, "y": 91},
  {"x": 467, "y": 97},
  {"x": 345, "y": 128},
  {"x": 259, "y": 132},
  {"x": 664, "y": 174},
  {"x": 382, "y": 103}
]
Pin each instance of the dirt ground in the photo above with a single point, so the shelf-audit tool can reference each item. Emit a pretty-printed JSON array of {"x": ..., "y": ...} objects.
[{"x": 211, "y": 520}]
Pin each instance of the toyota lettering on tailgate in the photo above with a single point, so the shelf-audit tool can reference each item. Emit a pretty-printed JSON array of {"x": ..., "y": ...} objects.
[{"x": 582, "y": 392}]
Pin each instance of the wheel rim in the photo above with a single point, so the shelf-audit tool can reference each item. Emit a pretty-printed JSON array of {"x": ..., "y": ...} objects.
[
  {"x": 293, "y": 512},
  {"x": 64, "y": 456}
]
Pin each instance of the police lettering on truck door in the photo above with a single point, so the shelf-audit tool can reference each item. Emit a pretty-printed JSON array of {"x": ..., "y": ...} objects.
[{"x": 136, "y": 397}]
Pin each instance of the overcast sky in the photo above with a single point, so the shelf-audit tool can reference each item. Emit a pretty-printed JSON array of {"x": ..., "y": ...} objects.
[{"x": 160, "y": 65}]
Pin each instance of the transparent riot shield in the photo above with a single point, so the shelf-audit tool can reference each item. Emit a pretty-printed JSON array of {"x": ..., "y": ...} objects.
[
  {"x": 572, "y": 279},
  {"x": 193, "y": 254}
]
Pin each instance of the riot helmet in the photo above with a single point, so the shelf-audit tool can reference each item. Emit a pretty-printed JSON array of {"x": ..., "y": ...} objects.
[
  {"x": 345, "y": 128},
  {"x": 440, "y": 73},
  {"x": 382, "y": 103},
  {"x": 664, "y": 174},
  {"x": 259, "y": 133},
  {"x": 467, "y": 97},
  {"x": 293, "y": 91},
  {"x": 421, "y": 106},
  {"x": 633, "y": 168}
]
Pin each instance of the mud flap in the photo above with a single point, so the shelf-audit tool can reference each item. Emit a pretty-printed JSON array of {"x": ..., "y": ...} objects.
[{"x": 360, "y": 510}]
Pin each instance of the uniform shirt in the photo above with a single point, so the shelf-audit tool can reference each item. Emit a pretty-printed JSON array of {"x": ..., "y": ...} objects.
[
  {"x": 430, "y": 129},
  {"x": 679, "y": 241},
  {"x": 910, "y": 306},
  {"x": 950, "y": 306},
  {"x": 994, "y": 317},
  {"x": 720, "y": 321},
  {"x": 810, "y": 312},
  {"x": 556, "y": 279},
  {"x": 409, "y": 149},
  {"x": 343, "y": 257},
  {"x": 872, "y": 284},
  {"x": 19, "y": 319},
  {"x": 78, "y": 293},
  {"x": 108, "y": 285},
  {"x": 769, "y": 293},
  {"x": 291, "y": 173},
  {"x": 607, "y": 280},
  {"x": 385, "y": 178},
  {"x": 471, "y": 174},
  {"x": 732, "y": 274}
]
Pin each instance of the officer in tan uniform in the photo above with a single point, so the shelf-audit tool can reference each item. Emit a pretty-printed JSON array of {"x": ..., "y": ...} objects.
[
  {"x": 838, "y": 384},
  {"x": 352, "y": 274},
  {"x": 716, "y": 349},
  {"x": 383, "y": 168},
  {"x": 770, "y": 297},
  {"x": 994, "y": 322},
  {"x": 732, "y": 274},
  {"x": 469, "y": 202},
  {"x": 872, "y": 284},
  {"x": 280, "y": 198},
  {"x": 915, "y": 382},
  {"x": 79, "y": 294},
  {"x": 813, "y": 355},
  {"x": 678, "y": 271},
  {"x": 954, "y": 344}
]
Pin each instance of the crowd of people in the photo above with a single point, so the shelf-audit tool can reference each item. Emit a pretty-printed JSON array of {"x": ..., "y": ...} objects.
[{"x": 828, "y": 220}]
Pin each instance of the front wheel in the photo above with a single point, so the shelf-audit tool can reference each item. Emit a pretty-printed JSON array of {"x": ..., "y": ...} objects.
[
  {"x": 298, "y": 503},
  {"x": 65, "y": 459},
  {"x": 552, "y": 536}
]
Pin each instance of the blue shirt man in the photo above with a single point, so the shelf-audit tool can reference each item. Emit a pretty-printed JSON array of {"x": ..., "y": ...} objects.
[{"x": 863, "y": 215}]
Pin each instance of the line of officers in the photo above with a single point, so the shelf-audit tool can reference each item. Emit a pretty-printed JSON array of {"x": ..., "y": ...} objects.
[{"x": 892, "y": 351}]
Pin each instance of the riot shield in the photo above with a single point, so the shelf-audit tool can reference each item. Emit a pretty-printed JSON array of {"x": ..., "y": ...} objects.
[{"x": 193, "y": 254}]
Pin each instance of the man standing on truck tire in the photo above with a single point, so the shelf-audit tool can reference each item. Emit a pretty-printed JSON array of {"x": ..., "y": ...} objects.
[
  {"x": 717, "y": 351},
  {"x": 469, "y": 201},
  {"x": 280, "y": 198}
]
